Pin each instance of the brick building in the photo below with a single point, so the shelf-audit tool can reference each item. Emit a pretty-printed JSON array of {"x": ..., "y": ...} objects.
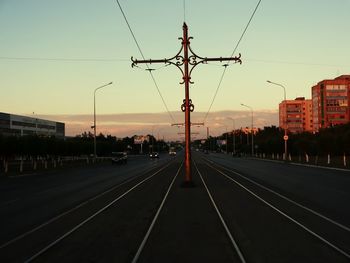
[
  {"x": 330, "y": 102},
  {"x": 296, "y": 115}
]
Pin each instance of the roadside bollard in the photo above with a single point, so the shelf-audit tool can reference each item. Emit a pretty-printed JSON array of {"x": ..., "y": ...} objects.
[
  {"x": 328, "y": 159},
  {"x": 344, "y": 159}
]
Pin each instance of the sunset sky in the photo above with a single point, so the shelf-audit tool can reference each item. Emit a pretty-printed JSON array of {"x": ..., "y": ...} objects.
[{"x": 53, "y": 54}]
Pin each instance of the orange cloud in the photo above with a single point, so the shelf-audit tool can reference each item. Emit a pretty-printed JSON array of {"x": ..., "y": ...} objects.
[{"x": 129, "y": 124}]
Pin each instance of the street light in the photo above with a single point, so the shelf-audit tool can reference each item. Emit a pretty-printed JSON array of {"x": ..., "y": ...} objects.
[
  {"x": 223, "y": 125},
  {"x": 110, "y": 83},
  {"x": 251, "y": 109},
  {"x": 233, "y": 135},
  {"x": 285, "y": 125}
]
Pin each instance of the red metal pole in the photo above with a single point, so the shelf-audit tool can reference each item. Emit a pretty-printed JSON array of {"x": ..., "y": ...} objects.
[{"x": 186, "y": 78}]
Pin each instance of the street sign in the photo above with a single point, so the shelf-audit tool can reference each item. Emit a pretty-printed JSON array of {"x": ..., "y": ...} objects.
[{"x": 285, "y": 137}]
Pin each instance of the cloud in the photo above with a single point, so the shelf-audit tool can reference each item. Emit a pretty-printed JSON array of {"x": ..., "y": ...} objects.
[{"x": 129, "y": 124}]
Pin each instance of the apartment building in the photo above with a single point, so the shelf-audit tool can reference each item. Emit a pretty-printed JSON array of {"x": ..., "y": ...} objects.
[
  {"x": 296, "y": 115},
  {"x": 330, "y": 102}
]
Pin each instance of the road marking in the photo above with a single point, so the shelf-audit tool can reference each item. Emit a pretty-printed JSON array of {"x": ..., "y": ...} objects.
[
  {"x": 234, "y": 243},
  {"x": 321, "y": 167},
  {"x": 303, "y": 164},
  {"x": 285, "y": 215},
  {"x": 143, "y": 243},
  {"x": 91, "y": 217}
]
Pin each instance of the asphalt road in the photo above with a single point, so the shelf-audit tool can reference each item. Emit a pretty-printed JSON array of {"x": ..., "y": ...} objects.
[{"x": 240, "y": 210}]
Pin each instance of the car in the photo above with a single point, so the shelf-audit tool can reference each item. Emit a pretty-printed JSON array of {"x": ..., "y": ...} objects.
[
  {"x": 119, "y": 158},
  {"x": 154, "y": 155},
  {"x": 172, "y": 151}
]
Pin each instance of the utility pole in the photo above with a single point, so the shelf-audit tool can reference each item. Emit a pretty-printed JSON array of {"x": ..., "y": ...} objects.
[{"x": 186, "y": 62}]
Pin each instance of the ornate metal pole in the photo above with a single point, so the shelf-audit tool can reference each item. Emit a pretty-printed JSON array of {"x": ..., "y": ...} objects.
[
  {"x": 188, "y": 104},
  {"x": 189, "y": 61}
]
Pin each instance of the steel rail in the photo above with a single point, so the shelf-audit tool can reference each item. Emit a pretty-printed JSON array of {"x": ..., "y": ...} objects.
[
  {"x": 88, "y": 201},
  {"x": 295, "y": 221},
  {"x": 228, "y": 232},
  {"x": 143, "y": 243},
  {"x": 287, "y": 199},
  {"x": 68, "y": 233}
]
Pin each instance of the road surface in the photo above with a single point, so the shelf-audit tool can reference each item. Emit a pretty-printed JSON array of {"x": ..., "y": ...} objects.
[{"x": 240, "y": 210}]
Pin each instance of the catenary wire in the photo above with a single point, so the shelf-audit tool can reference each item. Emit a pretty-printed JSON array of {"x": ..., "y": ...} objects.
[
  {"x": 143, "y": 57},
  {"x": 234, "y": 50},
  {"x": 65, "y": 59}
]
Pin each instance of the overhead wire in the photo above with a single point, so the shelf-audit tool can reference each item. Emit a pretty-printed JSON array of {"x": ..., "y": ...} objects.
[
  {"x": 143, "y": 57},
  {"x": 64, "y": 59},
  {"x": 234, "y": 50}
]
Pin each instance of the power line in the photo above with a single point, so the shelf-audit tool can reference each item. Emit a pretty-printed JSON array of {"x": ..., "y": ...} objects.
[
  {"x": 234, "y": 50},
  {"x": 150, "y": 71},
  {"x": 245, "y": 29},
  {"x": 65, "y": 59}
]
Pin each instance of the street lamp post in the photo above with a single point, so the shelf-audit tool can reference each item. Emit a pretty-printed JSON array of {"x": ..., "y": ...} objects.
[
  {"x": 251, "y": 109},
  {"x": 285, "y": 126},
  {"x": 110, "y": 83},
  {"x": 233, "y": 136}
]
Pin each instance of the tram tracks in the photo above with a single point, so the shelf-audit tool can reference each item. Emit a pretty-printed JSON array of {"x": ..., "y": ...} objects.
[
  {"x": 51, "y": 232},
  {"x": 306, "y": 219}
]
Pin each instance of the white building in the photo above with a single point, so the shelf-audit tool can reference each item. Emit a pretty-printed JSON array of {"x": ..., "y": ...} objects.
[{"x": 16, "y": 125}]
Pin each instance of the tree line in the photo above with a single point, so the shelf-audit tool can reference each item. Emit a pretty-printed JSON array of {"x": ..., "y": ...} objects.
[
  {"x": 334, "y": 140},
  {"x": 34, "y": 145}
]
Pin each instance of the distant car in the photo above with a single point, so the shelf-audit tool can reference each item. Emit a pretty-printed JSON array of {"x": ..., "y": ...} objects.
[
  {"x": 173, "y": 153},
  {"x": 119, "y": 158},
  {"x": 154, "y": 155}
]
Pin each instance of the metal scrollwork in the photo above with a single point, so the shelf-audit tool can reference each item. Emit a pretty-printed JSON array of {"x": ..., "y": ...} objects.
[
  {"x": 191, "y": 106},
  {"x": 183, "y": 106}
]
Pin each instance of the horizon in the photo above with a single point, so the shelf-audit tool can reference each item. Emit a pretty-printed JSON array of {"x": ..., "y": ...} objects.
[{"x": 54, "y": 55}]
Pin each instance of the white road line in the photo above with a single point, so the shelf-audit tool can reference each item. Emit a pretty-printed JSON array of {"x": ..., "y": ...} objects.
[
  {"x": 304, "y": 165},
  {"x": 234, "y": 243},
  {"x": 143, "y": 243},
  {"x": 289, "y": 200},
  {"x": 70, "y": 210},
  {"x": 321, "y": 167},
  {"x": 91, "y": 217},
  {"x": 285, "y": 215}
]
